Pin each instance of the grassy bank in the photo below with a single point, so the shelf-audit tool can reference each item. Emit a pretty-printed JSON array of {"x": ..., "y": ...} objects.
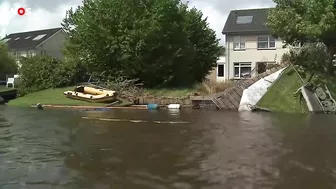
[
  {"x": 49, "y": 96},
  {"x": 280, "y": 96},
  {"x": 56, "y": 97}
]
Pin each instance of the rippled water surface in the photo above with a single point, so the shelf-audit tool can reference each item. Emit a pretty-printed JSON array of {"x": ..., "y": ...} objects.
[{"x": 216, "y": 150}]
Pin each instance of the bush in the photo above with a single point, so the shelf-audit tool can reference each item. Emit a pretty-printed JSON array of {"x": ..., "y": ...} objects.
[
  {"x": 312, "y": 57},
  {"x": 209, "y": 87},
  {"x": 43, "y": 72}
]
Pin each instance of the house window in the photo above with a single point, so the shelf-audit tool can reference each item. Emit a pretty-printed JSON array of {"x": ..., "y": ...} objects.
[
  {"x": 31, "y": 53},
  {"x": 244, "y": 19},
  {"x": 266, "y": 42},
  {"x": 220, "y": 70},
  {"x": 16, "y": 55},
  {"x": 242, "y": 70},
  {"x": 297, "y": 44},
  {"x": 39, "y": 37},
  {"x": 239, "y": 43}
]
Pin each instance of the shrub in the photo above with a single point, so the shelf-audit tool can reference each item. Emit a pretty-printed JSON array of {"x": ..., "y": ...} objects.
[
  {"x": 43, "y": 72},
  {"x": 210, "y": 87},
  {"x": 312, "y": 57}
]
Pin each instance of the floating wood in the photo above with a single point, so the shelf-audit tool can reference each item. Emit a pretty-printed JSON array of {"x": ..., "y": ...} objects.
[{"x": 135, "y": 121}]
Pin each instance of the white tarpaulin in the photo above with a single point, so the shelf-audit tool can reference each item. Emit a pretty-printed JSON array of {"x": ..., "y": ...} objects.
[{"x": 253, "y": 94}]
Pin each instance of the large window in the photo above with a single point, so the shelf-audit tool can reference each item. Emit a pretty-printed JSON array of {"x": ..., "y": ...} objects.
[
  {"x": 239, "y": 43},
  {"x": 266, "y": 42},
  {"x": 242, "y": 70}
]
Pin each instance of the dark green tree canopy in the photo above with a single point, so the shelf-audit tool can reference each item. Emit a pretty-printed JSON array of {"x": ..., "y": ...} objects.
[
  {"x": 160, "y": 42},
  {"x": 304, "y": 21},
  {"x": 7, "y": 63}
]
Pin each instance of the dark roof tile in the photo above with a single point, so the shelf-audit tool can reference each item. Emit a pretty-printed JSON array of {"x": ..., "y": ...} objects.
[
  {"x": 24, "y": 40},
  {"x": 258, "y": 23}
]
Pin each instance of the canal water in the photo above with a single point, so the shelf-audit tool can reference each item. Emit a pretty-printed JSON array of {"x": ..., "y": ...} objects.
[{"x": 187, "y": 149}]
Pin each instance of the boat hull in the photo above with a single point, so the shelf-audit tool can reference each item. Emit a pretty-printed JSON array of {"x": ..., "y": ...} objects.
[
  {"x": 9, "y": 94},
  {"x": 90, "y": 94}
]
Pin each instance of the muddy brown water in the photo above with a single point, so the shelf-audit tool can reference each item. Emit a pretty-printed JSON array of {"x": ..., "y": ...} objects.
[{"x": 216, "y": 150}]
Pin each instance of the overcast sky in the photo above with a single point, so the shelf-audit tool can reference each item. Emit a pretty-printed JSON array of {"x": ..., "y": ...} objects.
[{"x": 49, "y": 13}]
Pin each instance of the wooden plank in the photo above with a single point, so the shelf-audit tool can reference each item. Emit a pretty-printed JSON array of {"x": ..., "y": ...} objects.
[
  {"x": 222, "y": 105},
  {"x": 234, "y": 102},
  {"x": 227, "y": 102},
  {"x": 248, "y": 83},
  {"x": 239, "y": 91},
  {"x": 235, "y": 95}
]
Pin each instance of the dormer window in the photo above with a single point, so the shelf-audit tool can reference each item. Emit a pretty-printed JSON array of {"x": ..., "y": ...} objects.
[{"x": 244, "y": 19}]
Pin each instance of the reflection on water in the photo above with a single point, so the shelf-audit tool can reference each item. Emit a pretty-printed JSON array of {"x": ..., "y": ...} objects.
[{"x": 60, "y": 149}]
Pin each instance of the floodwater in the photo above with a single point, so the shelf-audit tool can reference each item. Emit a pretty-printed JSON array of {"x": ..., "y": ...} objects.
[{"x": 215, "y": 150}]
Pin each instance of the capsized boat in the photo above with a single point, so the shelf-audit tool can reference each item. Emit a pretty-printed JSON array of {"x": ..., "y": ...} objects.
[{"x": 91, "y": 94}]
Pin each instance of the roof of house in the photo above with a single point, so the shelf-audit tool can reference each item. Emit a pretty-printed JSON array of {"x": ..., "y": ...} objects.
[
  {"x": 28, "y": 40},
  {"x": 245, "y": 21}
]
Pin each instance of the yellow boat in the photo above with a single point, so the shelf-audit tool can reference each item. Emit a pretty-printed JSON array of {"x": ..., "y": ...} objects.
[{"x": 91, "y": 94}]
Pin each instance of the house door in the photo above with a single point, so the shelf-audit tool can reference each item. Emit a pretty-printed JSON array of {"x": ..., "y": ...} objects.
[{"x": 220, "y": 72}]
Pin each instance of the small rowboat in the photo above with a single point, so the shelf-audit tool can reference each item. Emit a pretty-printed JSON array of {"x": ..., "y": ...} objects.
[{"x": 91, "y": 94}]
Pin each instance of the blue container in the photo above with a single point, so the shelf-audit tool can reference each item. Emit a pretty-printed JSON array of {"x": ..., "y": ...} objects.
[{"x": 152, "y": 106}]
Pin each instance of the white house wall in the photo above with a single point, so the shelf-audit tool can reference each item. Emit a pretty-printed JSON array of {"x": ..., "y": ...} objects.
[{"x": 251, "y": 53}]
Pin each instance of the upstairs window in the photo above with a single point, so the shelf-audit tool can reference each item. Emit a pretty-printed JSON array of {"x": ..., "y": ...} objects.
[
  {"x": 266, "y": 42},
  {"x": 239, "y": 43}
]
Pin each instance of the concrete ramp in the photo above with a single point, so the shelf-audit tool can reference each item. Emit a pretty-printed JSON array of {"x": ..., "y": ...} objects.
[{"x": 255, "y": 92}]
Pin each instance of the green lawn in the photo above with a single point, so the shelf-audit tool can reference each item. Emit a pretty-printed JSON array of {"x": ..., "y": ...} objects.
[
  {"x": 50, "y": 97},
  {"x": 280, "y": 96},
  {"x": 167, "y": 92}
]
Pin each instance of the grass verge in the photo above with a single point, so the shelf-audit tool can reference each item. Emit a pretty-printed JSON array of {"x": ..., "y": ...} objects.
[
  {"x": 50, "y": 96},
  {"x": 280, "y": 96}
]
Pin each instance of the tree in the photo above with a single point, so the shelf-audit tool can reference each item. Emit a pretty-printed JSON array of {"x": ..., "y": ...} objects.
[
  {"x": 7, "y": 63},
  {"x": 305, "y": 21},
  {"x": 160, "y": 42}
]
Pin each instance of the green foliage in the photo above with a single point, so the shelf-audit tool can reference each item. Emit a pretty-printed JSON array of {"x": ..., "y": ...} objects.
[
  {"x": 42, "y": 72},
  {"x": 312, "y": 57},
  {"x": 304, "y": 21},
  {"x": 7, "y": 63},
  {"x": 159, "y": 42}
]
